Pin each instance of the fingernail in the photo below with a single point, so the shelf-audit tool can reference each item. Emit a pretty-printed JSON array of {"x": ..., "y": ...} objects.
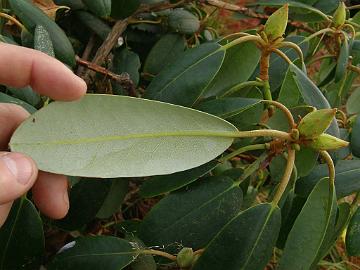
[
  {"x": 20, "y": 166},
  {"x": 66, "y": 199}
]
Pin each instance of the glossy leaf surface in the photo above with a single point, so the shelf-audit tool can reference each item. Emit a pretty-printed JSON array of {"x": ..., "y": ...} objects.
[{"x": 245, "y": 242}]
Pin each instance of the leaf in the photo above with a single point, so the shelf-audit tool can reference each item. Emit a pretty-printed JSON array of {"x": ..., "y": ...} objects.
[
  {"x": 305, "y": 160},
  {"x": 48, "y": 7},
  {"x": 93, "y": 253},
  {"x": 164, "y": 52},
  {"x": 114, "y": 198},
  {"x": 86, "y": 199},
  {"x": 239, "y": 64},
  {"x": 98, "y": 26},
  {"x": 352, "y": 104},
  {"x": 112, "y": 136},
  {"x": 162, "y": 184},
  {"x": 121, "y": 9},
  {"x": 353, "y": 235},
  {"x": 143, "y": 261},
  {"x": 313, "y": 96},
  {"x": 246, "y": 242},
  {"x": 22, "y": 243},
  {"x": 355, "y": 137},
  {"x": 9, "y": 99},
  {"x": 186, "y": 79},
  {"x": 342, "y": 61},
  {"x": 347, "y": 178},
  {"x": 42, "y": 41},
  {"x": 101, "y": 8},
  {"x": 183, "y": 21},
  {"x": 289, "y": 94},
  {"x": 305, "y": 239},
  {"x": 180, "y": 217},
  {"x": 73, "y": 4},
  {"x": 228, "y": 107}
]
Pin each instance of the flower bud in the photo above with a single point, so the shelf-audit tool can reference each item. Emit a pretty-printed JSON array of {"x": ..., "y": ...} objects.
[
  {"x": 185, "y": 258},
  {"x": 276, "y": 24},
  {"x": 339, "y": 15},
  {"x": 316, "y": 123},
  {"x": 327, "y": 142}
]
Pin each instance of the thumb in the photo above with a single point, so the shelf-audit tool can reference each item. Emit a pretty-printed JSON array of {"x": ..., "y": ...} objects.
[{"x": 17, "y": 175}]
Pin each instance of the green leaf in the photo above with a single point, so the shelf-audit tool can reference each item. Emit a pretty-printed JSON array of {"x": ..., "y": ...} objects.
[
  {"x": 347, "y": 178},
  {"x": 42, "y": 41},
  {"x": 114, "y": 198},
  {"x": 86, "y": 199},
  {"x": 305, "y": 160},
  {"x": 26, "y": 94},
  {"x": 162, "y": 184},
  {"x": 101, "y": 8},
  {"x": 228, "y": 107},
  {"x": 143, "y": 261},
  {"x": 9, "y": 99},
  {"x": 73, "y": 4},
  {"x": 246, "y": 242},
  {"x": 93, "y": 23},
  {"x": 239, "y": 64},
  {"x": 353, "y": 235},
  {"x": 124, "y": 134},
  {"x": 186, "y": 79},
  {"x": 93, "y": 253},
  {"x": 22, "y": 242},
  {"x": 305, "y": 239},
  {"x": 312, "y": 95},
  {"x": 342, "y": 61},
  {"x": 121, "y": 9},
  {"x": 355, "y": 137},
  {"x": 352, "y": 104},
  {"x": 183, "y": 21},
  {"x": 164, "y": 52},
  {"x": 289, "y": 94},
  {"x": 180, "y": 217}
]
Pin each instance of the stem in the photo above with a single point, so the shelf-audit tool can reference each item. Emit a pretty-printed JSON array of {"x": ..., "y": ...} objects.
[
  {"x": 355, "y": 203},
  {"x": 352, "y": 29},
  {"x": 353, "y": 7},
  {"x": 284, "y": 109},
  {"x": 264, "y": 66},
  {"x": 241, "y": 150},
  {"x": 158, "y": 253},
  {"x": 316, "y": 59},
  {"x": 199, "y": 251},
  {"x": 293, "y": 46},
  {"x": 12, "y": 19},
  {"x": 240, "y": 34},
  {"x": 325, "y": 155},
  {"x": 321, "y": 32},
  {"x": 286, "y": 177},
  {"x": 282, "y": 55},
  {"x": 242, "y": 40},
  {"x": 264, "y": 133},
  {"x": 133, "y": 21},
  {"x": 240, "y": 86}
]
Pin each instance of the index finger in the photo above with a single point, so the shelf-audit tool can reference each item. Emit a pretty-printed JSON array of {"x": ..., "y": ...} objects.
[{"x": 21, "y": 66}]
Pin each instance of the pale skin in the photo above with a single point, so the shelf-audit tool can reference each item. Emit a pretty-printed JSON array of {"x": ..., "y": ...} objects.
[{"x": 20, "y": 67}]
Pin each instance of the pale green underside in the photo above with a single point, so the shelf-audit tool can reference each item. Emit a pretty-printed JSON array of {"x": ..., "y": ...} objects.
[{"x": 116, "y": 136}]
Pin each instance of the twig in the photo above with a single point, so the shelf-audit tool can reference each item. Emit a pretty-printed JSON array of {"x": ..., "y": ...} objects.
[
  {"x": 159, "y": 6},
  {"x": 106, "y": 47},
  {"x": 86, "y": 54},
  {"x": 123, "y": 79}
]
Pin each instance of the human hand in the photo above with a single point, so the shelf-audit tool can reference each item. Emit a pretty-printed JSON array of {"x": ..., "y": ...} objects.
[{"x": 20, "y": 67}]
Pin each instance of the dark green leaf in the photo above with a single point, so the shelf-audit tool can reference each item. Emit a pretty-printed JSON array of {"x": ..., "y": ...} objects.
[
  {"x": 184, "y": 82},
  {"x": 86, "y": 199},
  {"x": 342, "y": 61},
  {"x": 305, "y": 160},
  {"x": 289, "y": 94},
  {"x": 313, "y": 96},
  {"x": 352, "y": 104},
  {"x": 164, "y": 52},
  {"x": 353, "y": 235},
  {"x": 114, "y": 198},
  {"x": 124, "y": 134},
  {"x": 180, "y": 217},
  {"x": 239, "y": 64},
  {"x": 121, "y": 9},
  {"x": 183, "y": 21},
  {"x": 94, "y": 253},
  {"x": 101, "y": 8},
  {"x": 22, "y": 238},
  {"x": 8, "y": 99},
  {"x": 246, "y": 242},
  {"x": 143, "y": 261},
  {"x": 347, "y": 178},
  {"x": 158, "y": 185},
  {"x": 305, "y": 239},
  {"x": 355, "y": 137},
  {"x": 26, "y": 94},
  {"x": 95, "y": 24}
]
